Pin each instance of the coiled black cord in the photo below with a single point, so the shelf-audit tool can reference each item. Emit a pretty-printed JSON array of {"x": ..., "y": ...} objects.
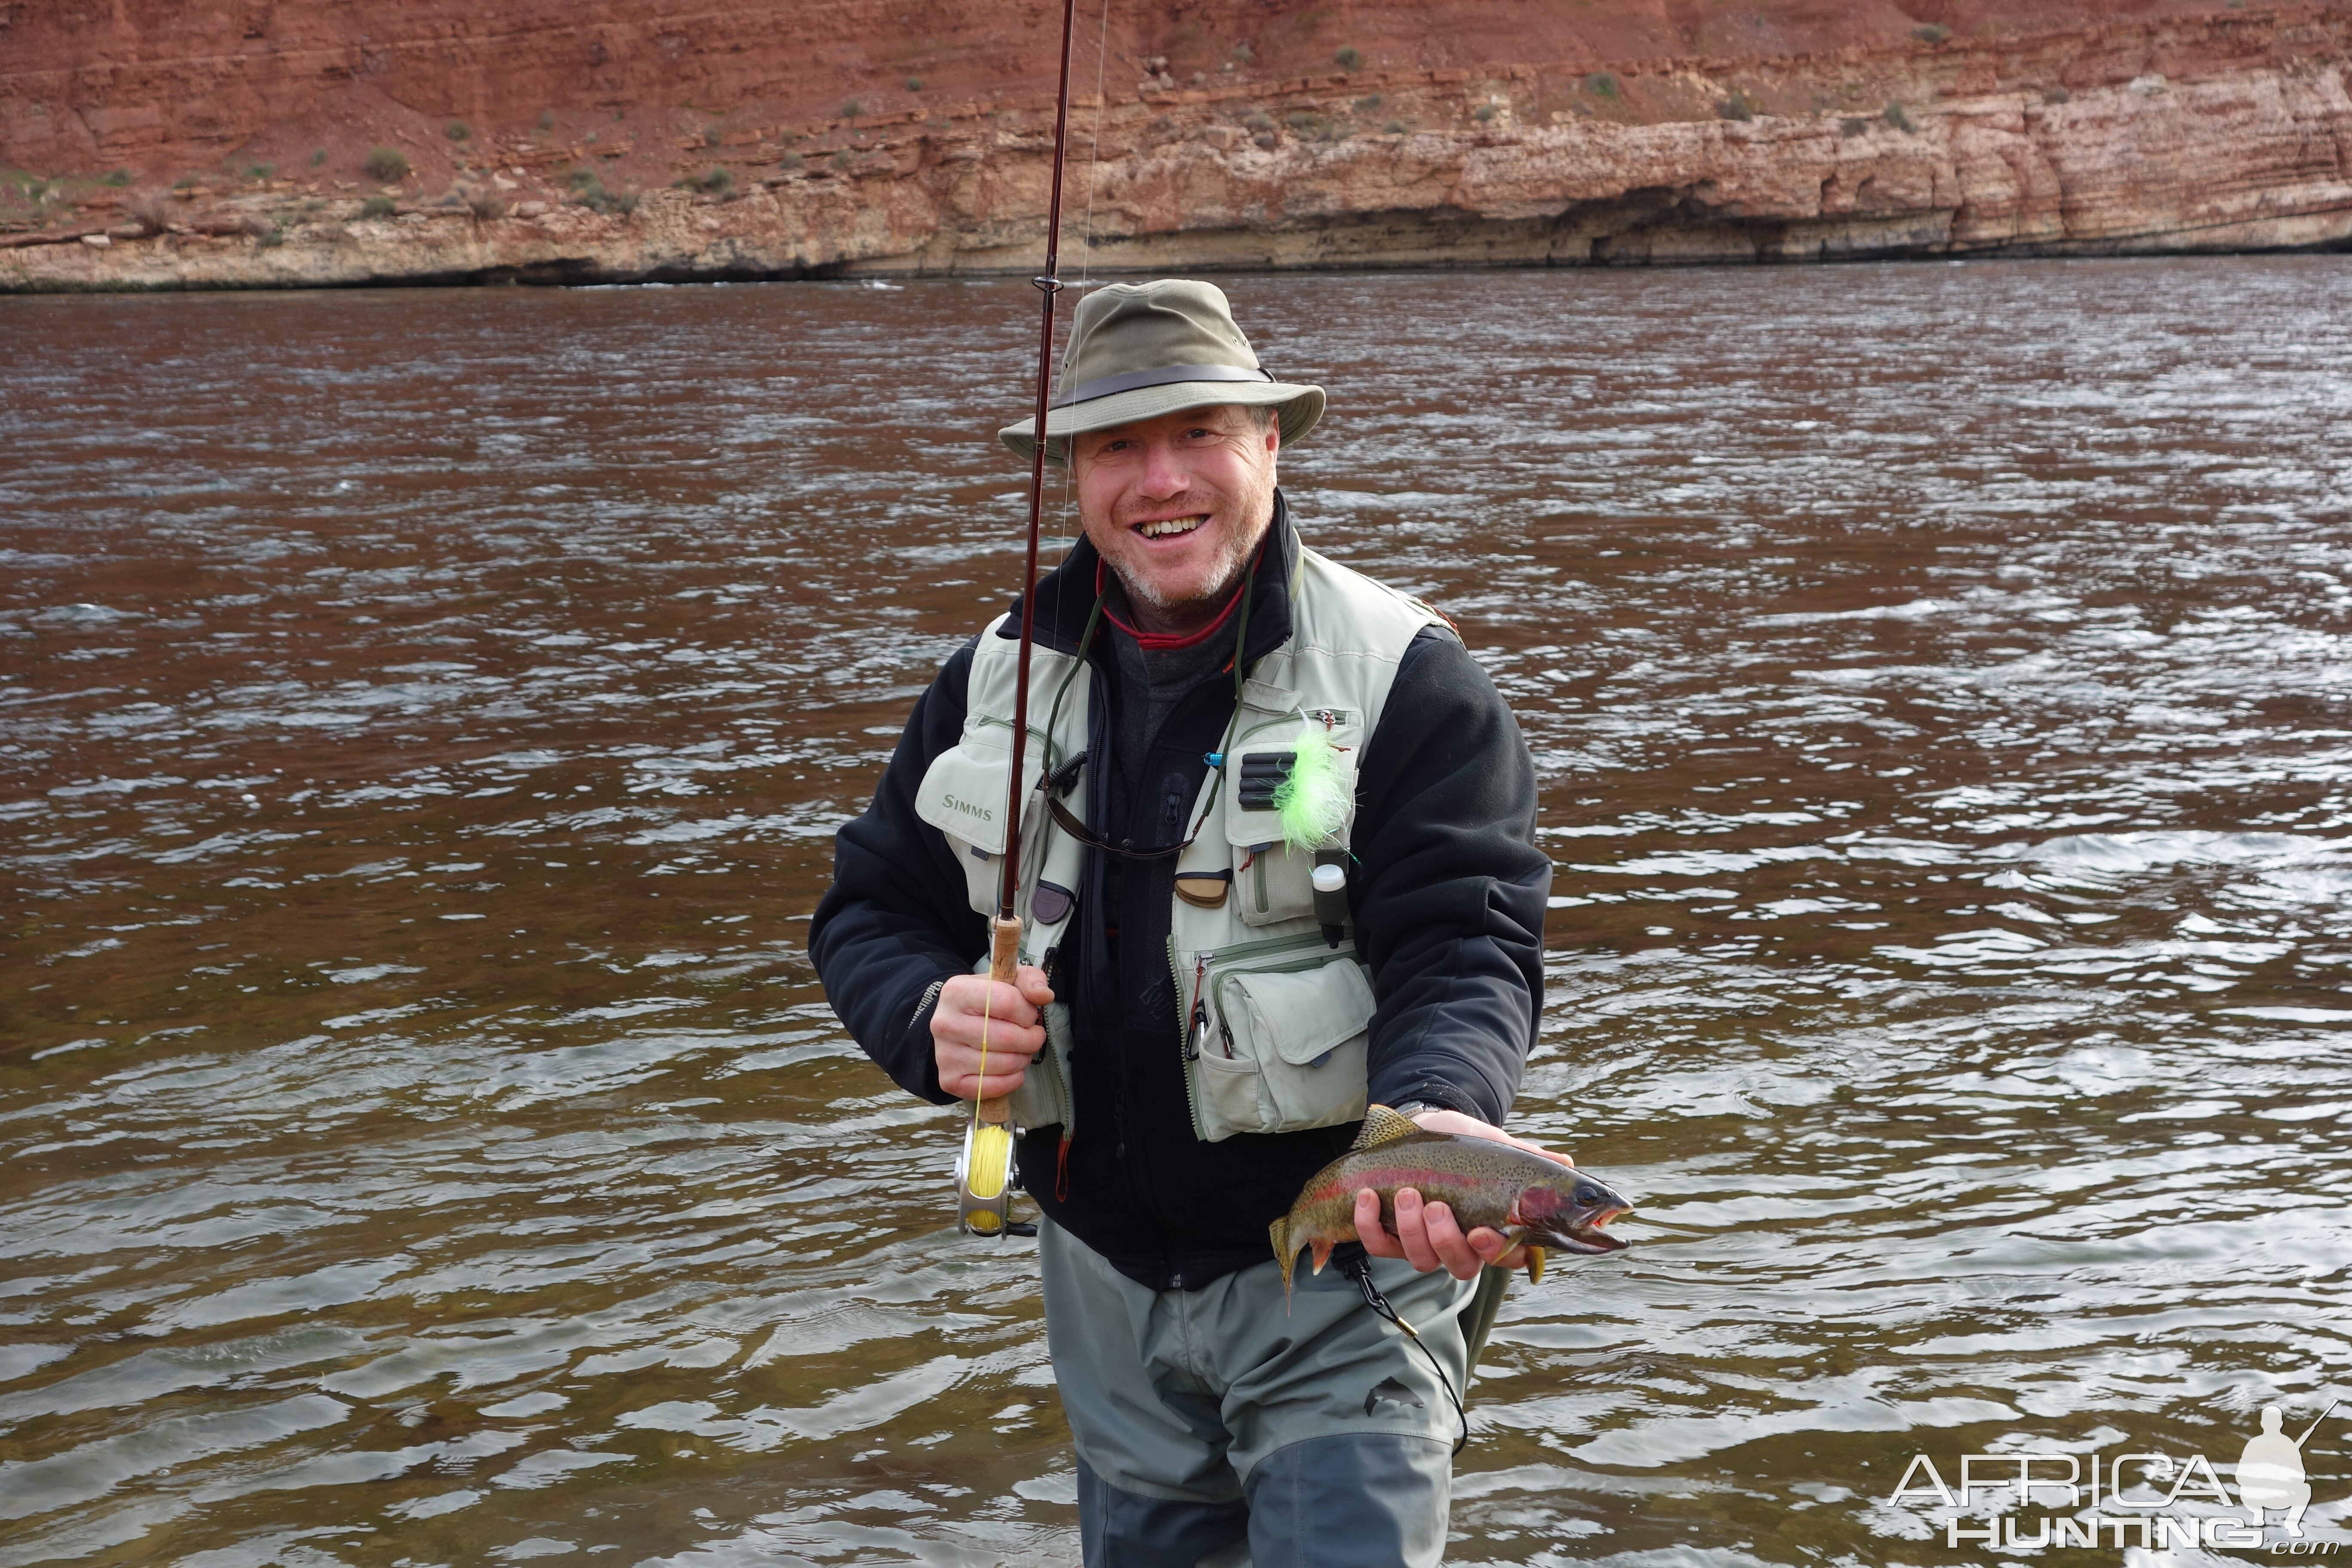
[{"x": 1359, "y": 1269}]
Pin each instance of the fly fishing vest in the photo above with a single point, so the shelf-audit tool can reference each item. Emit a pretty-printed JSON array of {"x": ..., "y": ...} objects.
[{"x": 1274, "y": 1005}]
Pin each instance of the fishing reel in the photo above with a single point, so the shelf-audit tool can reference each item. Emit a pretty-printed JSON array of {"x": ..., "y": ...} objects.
[{"x": 983, "y": 1175}]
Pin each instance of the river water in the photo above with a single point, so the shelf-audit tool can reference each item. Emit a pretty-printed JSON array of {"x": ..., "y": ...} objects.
[{"x": 423, "y": 716}]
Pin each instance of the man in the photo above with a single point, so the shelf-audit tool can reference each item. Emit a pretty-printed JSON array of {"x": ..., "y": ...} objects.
[
  {"x": 2270, "y": 1473},
  {"x": 1277, "y": 862}
]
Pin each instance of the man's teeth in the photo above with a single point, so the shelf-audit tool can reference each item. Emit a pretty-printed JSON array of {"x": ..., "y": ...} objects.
[{"x": 1172, "y": 526}]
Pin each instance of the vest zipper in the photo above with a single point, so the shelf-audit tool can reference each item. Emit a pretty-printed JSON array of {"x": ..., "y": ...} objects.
[{"x": 1185, "y": 1043}]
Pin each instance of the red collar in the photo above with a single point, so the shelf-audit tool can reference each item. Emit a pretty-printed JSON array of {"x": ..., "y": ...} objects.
[{"x": 1168, "y": 642}]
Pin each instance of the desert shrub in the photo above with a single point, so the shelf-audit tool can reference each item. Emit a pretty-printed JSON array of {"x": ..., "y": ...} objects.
[
  {"x": 261, "y": 171},
  {"x": 1258, "y": 120},
  {"x": 1483, "y": 113},
  {"x": 1895, "y": 117},
  {"x": 378, "y": 207},
  {"x": 1244, "y": 53},
  {"x": 272, "y": 238},
  {"x": 792, "y": 163},
  {"x": 1348, "y": 59},
  {"x": 547, "y": 120},
  {"x": 588, "y": 191},
  {"x": 1395, "y": 128},
  {"x": 1601, "y": 84},
  {"x": 184, "y": 182},
  {"x": 2056, "y": 95},
  {"x": 460, "y": 132},
  {"x": 318, "y": 156},
  {"x": 914, "y": 84},
  {"x": 1853, "y": 125},
  {"x": 1737, "y": 107},
  {"x": 710, "y": 182},
  {"x": 840, "y": 160},
  {"x": 1368, "y": 103},
  {"x": 386, "y": 165},
  {"x": 852, "y": 109},
  {"x": 152, "y": 212},
  {"x": 1933, "y": 33},
  {"x": 487, "y": 205},
  {"x": 118, "y": 178}
]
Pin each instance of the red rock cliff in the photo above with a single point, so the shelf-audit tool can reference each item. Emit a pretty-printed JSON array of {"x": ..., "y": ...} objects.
[{"x": 546, "y": 141}]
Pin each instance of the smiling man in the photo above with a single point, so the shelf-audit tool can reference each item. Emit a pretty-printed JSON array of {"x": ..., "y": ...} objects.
[{"x": 1277, "y": 864}]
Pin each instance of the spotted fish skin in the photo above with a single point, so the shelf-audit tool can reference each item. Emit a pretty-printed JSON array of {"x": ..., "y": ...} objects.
[{"x": 1524, "y": 1195}]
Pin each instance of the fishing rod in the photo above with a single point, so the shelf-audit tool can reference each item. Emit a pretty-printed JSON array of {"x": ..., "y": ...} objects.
[{"x": 984, "y": 1171}]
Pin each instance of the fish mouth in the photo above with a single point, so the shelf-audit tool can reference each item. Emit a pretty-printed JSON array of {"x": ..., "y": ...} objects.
[{"x": 1587, "y": 1236}]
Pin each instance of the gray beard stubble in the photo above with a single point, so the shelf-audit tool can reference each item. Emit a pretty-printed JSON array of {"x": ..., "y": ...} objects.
[{"x": 1229, "y": 575}]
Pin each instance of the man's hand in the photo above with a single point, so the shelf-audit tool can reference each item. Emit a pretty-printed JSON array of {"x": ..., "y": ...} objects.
[
  {"x": 1427, "y": 1234},
  {"x": 970, "y": 1003}
]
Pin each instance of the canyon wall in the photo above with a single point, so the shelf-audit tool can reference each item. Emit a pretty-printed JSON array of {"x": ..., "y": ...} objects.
[{"x": 1822, "y": 132}]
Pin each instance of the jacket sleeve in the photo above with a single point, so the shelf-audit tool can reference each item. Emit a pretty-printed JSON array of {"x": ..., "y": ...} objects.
[
  {"x": 896, "y": 921},
  {"x": 1450, "y": 888}
]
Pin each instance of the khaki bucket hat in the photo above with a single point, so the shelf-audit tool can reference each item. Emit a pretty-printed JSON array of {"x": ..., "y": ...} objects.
[{"x": 1141, "y": 350}]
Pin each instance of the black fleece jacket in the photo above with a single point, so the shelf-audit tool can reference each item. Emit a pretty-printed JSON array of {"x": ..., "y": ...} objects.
[{"x": 1447, "y": 897}]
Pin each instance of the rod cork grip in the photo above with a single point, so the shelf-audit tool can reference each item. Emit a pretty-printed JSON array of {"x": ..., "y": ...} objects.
[{"x": 1003, "y": 962}]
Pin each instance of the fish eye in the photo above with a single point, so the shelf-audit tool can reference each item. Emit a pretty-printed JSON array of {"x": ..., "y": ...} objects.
[{"x": 1588, "y": 1195}]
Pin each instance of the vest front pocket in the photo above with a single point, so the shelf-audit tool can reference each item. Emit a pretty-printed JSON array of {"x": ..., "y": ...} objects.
[
  {"x": 1279, "y": 1039},
  {"x": 1234, "y": 1093},
  {"x": 1306, "y": 1026}
]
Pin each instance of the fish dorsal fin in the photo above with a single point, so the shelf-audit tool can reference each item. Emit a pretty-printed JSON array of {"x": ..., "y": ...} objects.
[{"x": 1382, "y": 1125}]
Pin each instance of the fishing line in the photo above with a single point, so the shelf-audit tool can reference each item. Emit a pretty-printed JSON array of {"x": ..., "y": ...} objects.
[
  {"x": 1359, "y": 1269},
  {"x": 1087, "y": 255}
]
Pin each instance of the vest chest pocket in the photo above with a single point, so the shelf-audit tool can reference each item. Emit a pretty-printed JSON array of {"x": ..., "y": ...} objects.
[
  {"x": 1297, "y": 1034},
  {"x": 962, "y": 796},
  {"x": 1272, "y": 880}
]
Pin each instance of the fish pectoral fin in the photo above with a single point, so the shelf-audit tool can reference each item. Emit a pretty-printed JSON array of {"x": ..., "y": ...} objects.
[
  {"x": 1321, "y": 1251},
  {"x": 1382, "y": 1125},
  {"x": 1535, "y": 1265}
]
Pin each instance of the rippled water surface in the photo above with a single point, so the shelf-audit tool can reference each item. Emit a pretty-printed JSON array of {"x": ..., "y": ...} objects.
[{"x": 423, "y": 716}]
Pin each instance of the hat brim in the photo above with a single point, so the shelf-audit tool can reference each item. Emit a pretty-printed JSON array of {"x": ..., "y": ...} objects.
[{"x": 1301, "y": 409}]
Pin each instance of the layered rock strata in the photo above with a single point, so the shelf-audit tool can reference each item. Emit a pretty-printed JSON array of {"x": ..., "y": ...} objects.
[{"x": 2205, "y": 134}]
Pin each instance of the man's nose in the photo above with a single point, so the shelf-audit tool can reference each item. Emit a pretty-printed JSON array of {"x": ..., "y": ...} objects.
[{"x": 1163, "y": 476}]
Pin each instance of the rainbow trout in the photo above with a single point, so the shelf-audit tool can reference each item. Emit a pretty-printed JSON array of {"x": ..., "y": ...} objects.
[{"x": 1525, "y": 1196}]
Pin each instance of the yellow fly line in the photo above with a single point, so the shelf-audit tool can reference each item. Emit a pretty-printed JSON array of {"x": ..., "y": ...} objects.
[{"x": 988, "y": 1157}]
